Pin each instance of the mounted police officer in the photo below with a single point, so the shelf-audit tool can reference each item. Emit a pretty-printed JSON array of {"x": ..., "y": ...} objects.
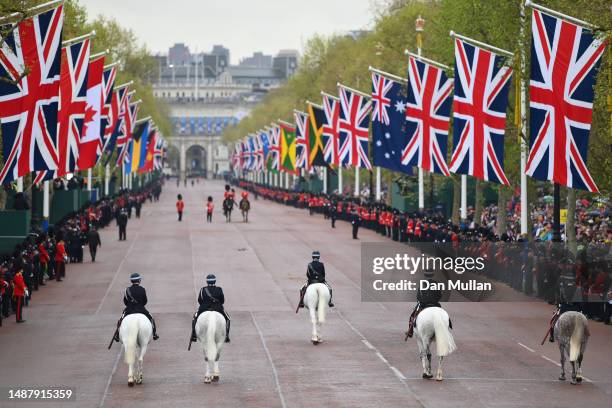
[
  {"x": 135, "y": 300},
  {"x": 425, "y": 298},
  {"x": 211, "y": 299},
  {"x": 315, "y": 273},
  {"x": 567, "y": 299}
]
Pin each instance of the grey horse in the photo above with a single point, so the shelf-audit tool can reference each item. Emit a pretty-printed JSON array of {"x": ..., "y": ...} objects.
[{"x": 572, "y": 334}]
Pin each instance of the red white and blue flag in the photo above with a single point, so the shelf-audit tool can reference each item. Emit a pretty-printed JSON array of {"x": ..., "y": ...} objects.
[
  {"x": 428, "y": 116},
  {"x": 353, "y": 128},
  {"x": 73, "y": 104},
  {"x": 564, "y": 62},
  {"x": 28, "y": 107},
  {"x": 130, "y": 112},
  {"x": 108, "y": 87},
  {"x": 273, "y": 159},
  {"x": 302, "y": 152},
  {"x": 91, "y": 141},
  {"x": 330, "y": 134},
  {"x": 479, "y": 111}
]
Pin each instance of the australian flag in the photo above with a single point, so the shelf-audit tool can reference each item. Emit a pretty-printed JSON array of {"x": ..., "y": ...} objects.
[{"x": 388, "y": 119}]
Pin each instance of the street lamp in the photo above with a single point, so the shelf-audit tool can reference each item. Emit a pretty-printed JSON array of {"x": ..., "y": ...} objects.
[{"x": 419, "y": 27}]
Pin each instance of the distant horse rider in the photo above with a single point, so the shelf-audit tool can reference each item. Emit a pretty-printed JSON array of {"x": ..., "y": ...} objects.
[
  {"x": 211, "y": 298},
  {"x": 425, "y": 298},
  {"x": 315, "y": 273},
  {"x": 135, "y": 300}
]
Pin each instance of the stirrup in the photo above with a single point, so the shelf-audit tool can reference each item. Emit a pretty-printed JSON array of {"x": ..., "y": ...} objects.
[
  {"x": 331, "y": 304},
  {"x": 155, "y": 337},
  {"x": 227, "y": 339},
  {"x": 116, "y": 338},
  {"x": 194, "y": 338}
]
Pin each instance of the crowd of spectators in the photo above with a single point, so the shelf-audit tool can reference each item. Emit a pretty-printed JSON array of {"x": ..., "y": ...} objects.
[
  {"x": 42, "y": 256},
  {"x": 532, "y": 266}
]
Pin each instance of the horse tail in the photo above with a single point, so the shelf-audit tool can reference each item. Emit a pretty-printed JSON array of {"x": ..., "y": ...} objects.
[
  {"x": 445, "y": 343},
  {"x": 211, "y": 332},
  {"x": 322, "y": 305},
  {"x": 130, "y": 342},
  {"x": 580, "y": 331}
]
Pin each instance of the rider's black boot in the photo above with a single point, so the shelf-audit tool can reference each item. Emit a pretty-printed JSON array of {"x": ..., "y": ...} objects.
[{"x": 194, "y": 338}]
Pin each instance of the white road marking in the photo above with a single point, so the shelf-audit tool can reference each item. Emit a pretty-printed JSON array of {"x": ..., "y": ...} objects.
[
  {"x": 274, "y": 371},
  {"x": 525, "y": 347},
  {"x": 193, "y": 271},
  {"x": 382, "y": 358},
  {"x": 110, "y": 286},
  {"x": 110, "y": 377},
  {"x": 552, "y": 361}
]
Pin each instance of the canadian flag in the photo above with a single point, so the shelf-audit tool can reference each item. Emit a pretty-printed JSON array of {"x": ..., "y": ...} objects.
[{"x": 90, "y": 146}]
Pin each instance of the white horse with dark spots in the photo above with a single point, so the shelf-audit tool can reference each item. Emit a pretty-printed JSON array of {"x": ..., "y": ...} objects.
[
  {"x": 210, "y": 329},
  {"x": 432, "y": 324},
  {"x": 316, "y": 300},
  {"x": 572, "y": 334},
  {"x": 135, "y": 333}
]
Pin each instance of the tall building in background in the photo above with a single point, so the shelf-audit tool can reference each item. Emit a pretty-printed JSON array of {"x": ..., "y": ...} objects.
[{"x": 206, "y": 95}]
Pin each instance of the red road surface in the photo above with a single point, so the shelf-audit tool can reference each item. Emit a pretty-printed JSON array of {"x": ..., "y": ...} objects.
[{"x": 363, "y": 361}]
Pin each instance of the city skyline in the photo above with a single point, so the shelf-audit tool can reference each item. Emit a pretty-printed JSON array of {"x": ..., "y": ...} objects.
[{"x": 159, "y": 26}]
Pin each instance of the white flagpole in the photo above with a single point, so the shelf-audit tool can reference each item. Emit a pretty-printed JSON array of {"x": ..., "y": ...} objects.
[
  {"x": 524, "y": 148},
  {"x": 20, "y": 185},
  {"x": 420, "y": 170},
  {"x": 340, "y": 187},
  {"x": 287, "y": 181},
  {"x": 357, "y": 182},
  {"x": 106, "y": 179},
  {"x": 89, "y": 179},
  {"x": 463, "y": 209},
  {"x": 46, "y": 202},
  {"x": 378, "y": 183},
  {"x": 324, "y": 180}
]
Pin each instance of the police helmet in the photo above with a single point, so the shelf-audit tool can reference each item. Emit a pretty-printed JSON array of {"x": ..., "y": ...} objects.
[
  {"x": 428, "y": 273},
  {"x": 135, "y": 278},
  {"x": 211, "y": 279},
  {"x": 316, "y": 254}
]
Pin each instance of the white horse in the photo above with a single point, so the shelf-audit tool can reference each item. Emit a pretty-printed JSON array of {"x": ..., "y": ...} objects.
[
  {"x": 210, "y": 329},
  {"x": 135, "y": 333},
  {"x": 432, "y": 324},
  {"x": 316, "y": 301}
]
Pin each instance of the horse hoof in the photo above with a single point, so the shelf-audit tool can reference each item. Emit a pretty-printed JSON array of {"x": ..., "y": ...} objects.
[
  {"x": 207, "y": 380},
  {"x": 130, "y": 383},
  {"x": 315, "y": 342},
  {"x": 578, "y": 379},
  {"x": 439, "y": 378},
  {"x": 561, "y": 378},
  {"x": 215, "y": 378},
  {"x": 427, "y": 376}
]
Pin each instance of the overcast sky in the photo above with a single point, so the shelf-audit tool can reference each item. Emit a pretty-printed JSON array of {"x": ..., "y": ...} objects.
[{"x": 243, "y": 26}]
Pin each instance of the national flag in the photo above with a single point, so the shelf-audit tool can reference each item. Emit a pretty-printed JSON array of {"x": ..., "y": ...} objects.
[
  {"x": 116, "y": 120},
  {"x": 106, "y": 117},
  {"x": 139, "y": 137},
  {"x": 91, "y": 141},
  {"x": 73, "y": 103},
  {"x": 331, "y": 135},
  {"x": 388, "y": 119},
  {"x": 479, "y": 111},
  {"x": 158, "y": 154},
  {"x": 353, "y": 128},
  {"x": 29, "y": 103},
  {"x": 273, "y": 160},
  {"x": 144, "y": 145},
  {"x": 428, "y": 116},
  {"x": 129, "y": 119},
  {"x": 316, "y": 119},
  {"x": 236, "y": 157},
  {"x": 150, "y": 152},
  {"x": 564, "y": 62},
  {"x": 302, "y": 138},
  {"x": 287, "y": 147},
  {"x": 263, "y": 147}
]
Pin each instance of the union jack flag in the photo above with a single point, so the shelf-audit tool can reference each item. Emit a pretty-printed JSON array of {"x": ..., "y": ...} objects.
[
  {"x": 428, "y": 116},
  {"x": 330, "y": 135},
  {"x": 115, "y": 127},
  {"x": 480, "y": 102},
  {"x": 29, "y": 105},
  {"x": 73, "y": 101},
  {"x": 353, "y": 128},
  {"x": 237, "y": 156},
  {"x": 564, "y": 63},
  {"x": 273, "y": 161},
  {"x": 108, "y": 86},
  {"x": 129, "y": 118},
  {"x": 158, "y": 153},
  {"x": 264, "y": 145},
  {"x": 302, "y": 136}
]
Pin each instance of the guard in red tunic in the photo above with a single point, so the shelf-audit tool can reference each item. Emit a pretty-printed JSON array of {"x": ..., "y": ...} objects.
[
  {"x": 180, "y": 206},
  {"x": 60, "y": 260},
  {"x": 20, "y": 291}
]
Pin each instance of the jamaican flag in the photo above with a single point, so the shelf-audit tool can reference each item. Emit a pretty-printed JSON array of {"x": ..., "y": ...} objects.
[
  {"x": 316, "y": 118},
  {"x": 288, "y": 144}
]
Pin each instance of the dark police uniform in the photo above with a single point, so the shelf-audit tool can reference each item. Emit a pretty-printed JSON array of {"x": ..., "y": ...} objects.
[
  {"x": 425, "y": 298},
  {"x": 135, "y": 300},
  {"x": 211, "y": 299},
  {"x": 566, "y": 295},
  {"x": 315, "y": 273}
]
